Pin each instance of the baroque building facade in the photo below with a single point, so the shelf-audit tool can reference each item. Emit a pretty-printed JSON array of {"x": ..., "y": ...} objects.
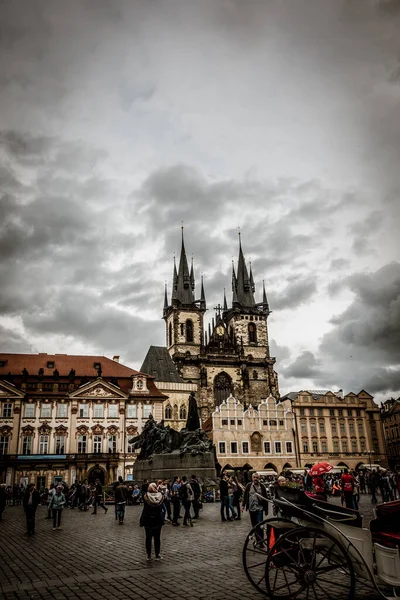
[
  {"x": 232, "y": 357},
  {"x": 66, "y": 417},
  {"x": 390, "y": 414},
  {"x": 342, "y": 430},
  {"x": 254, "y": 438}
]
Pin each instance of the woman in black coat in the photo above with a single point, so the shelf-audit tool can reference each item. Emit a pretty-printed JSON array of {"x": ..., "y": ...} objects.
[{"x": 152, "y": 519}]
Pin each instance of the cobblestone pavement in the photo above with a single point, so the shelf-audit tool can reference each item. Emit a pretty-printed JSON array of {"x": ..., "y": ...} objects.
[{"x": 94, "y": 557}]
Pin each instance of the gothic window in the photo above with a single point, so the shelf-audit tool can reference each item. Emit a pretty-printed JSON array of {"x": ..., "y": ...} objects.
[
  {"x": 182, "y": 412},
  {"x": 170, "y": 334},
  {"x": 252, "y": 330},
  {"x": 222, "y": 387},
  {"x": 189, "y": 330},
  {"x": 168, "y": 412}
]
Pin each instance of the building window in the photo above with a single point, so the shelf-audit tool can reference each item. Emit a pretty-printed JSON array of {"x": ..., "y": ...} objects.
[
  {"x": 97, "y": 444},
  {"x": 224, "y": 422},
  {"x": 281, "y": 423},
  {"x": 45, "y": 412},
  {"x": 182, "y": 412},
  {"x": 302, "y": 412},
  {"x": 232, "y": 421},
  {"x": 340, "y": 412},
  {"x": 321, "y": 427},
  {"x": 358, "y": 412},
  {"x": 168, "y": 412},
  {"x": 331, "y": 412},
  {"x": 189, "y": 330},
  {"x": 303, "y": 427},
  {"x": 27, "y": 444},
  {"x": 344, "y": 446},
  {"x": 311, "y": 412},
  {"x": 222, "y": 447},
  {"x": 252, "y": 329},
  {"x": 363, "y": 445},
  {"x": 289, "y": 448},
  {"x": 82, "y": 442},
  {"x": 131, "y": 449},
  {"x": 272, "y": 423},
  {"x": 320, "y": 412},
  {"x": 354, "y": 445},
  {"x": 7, "y": 410},
  {"x": 60, "y": 444},
  {"x": 113, "y": 411},
  {"x": 30, "y": 410},
  {"x": 267, "y": 447},
  {"x": 61, "y": 410},
  {"x": 98, "y": 411},
  {"x": 333, "y": 426},
  {"x": 44, "y": 444},
  {"x": 239, "y": 422},
  {"x": 336, "y": 445},
  {"x": 349, "y": 412},
  {"x": 324, "y": 447},
  {"x": 351, "y": 426},
  {"x": 112, "y": 444},
  {"x": 132, "y": 411},
  {"x": 245, "y": 447},
  {"x": 147, "y": 409},
  {"x": 50, "y": 364},
  {"x": 305, "y": 447},
  {"x": 278, "y": 447},
  {"x": 83, "y": 411},
  {"x": 360, "y": 427},
  {"x": 315, "y": 446},
  {"x": 342, "y": 428},
  {"x": 265, "y": 421},
  {"x": 313, "y": 427},
  {"x": 3, "y": 444},
  {"x": 234, "y": 447}
]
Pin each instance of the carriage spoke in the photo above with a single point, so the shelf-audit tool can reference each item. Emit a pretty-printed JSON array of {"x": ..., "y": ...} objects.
[
  {"x": 256, "y": 565},
  {"x": 324, "y": 591}
]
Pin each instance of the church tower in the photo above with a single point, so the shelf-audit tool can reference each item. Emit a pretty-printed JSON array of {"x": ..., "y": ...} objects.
[{"x": 184, "y": 314}]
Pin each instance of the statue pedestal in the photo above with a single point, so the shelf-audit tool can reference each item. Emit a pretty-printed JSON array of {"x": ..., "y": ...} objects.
[{"x": 166, "y": 466}]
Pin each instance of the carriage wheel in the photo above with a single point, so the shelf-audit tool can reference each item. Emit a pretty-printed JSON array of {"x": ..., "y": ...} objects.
[
  {"x": 255, "y": 552},
  {"x": 309, "y": 564}
]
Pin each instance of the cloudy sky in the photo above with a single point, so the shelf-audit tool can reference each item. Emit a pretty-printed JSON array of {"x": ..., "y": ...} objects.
[{"x": 119, "y": 119}]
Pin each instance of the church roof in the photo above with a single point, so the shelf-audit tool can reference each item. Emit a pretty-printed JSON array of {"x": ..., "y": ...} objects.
[{"x": 159, "y": 364}]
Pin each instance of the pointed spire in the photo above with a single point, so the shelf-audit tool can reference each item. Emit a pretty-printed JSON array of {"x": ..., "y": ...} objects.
[
  {"x": 243, "y": 283},
  {"x": 202, "y": 296},
  {"x": 192, "y": 275},
  {"x": 253, "y": 288},
  {"x": 209, "y": 331},
  {"x": 165, "y": 301},
  {"x": 225, "y": 302},
  {"x": 184, "y": 290},
  {"x": 234, "y": 285},
  {"x": 265, "y": 301},
  {"x": 174, "y": 282}
]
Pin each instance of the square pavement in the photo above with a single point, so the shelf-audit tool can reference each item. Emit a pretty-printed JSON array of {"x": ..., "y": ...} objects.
[{"x": 93, "y": 557}]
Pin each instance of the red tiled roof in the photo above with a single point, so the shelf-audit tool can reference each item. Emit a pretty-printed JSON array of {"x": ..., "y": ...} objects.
[{"x": 83, "y": 365}]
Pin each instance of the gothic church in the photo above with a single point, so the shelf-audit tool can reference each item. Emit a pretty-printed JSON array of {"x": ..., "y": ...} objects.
[{"x": 232, "y": 357}]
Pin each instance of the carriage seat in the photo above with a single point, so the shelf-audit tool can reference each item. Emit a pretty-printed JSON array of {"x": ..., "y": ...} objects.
[{"x": 385, "y": 529}]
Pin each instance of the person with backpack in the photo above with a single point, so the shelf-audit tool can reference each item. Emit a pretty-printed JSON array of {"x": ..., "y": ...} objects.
[
  {"x": 186, "y": 496},
  {"x": 347, "y": 483},
  {"x": 152, "y": 519}
]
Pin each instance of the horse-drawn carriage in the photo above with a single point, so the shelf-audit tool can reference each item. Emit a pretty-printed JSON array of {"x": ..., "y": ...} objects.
[{"x": 312, "y": 550}]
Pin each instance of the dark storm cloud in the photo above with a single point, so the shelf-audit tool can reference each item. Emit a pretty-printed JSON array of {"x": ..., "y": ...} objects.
[
  {"x": 295, "y": 294},
  {"x": 305, "y": 366},
  {"x": 11, "y": 341}
]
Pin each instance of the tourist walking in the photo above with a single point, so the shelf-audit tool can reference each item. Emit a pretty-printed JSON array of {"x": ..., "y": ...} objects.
[
  {"x": 176, "y": 503},
  {"x": 187, "y": 496},
  {"x": 98, "y": 498},
  {"x": 237, "y": 496},
  {"x": 50, "y": 494},
  {"x": 348, "y": 483},
  {"x": 152, "y": 519},
  {"x": 224, "y": 498},
  {"x": 255, "y": 499},
  {"x": 196, "y": 487},
  {"x": 82, "y": 505},
  {"x": 57, "y": 504},
  {"x": 121, "y": 494},
  {"x": 30, "y": 502}
]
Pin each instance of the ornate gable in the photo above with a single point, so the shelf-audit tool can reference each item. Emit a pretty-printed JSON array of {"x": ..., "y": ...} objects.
[
  {"x": 44, "y": 429},
  {"x": 5, "y": 430},
  {"x": 112, "y": 430},
  {"x": 98, "y": 389},
  {"x": 61, "y": 430},
  {"x": 82, "y": 430},
  {"x": 97, "y": 429},
  {"x": 131, "y": 430},
  {"x": 8, "y": 390},
  {"x": 28, "y": 430}
]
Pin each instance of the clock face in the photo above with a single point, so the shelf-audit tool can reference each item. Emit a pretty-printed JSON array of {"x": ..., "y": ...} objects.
[
  {"x": 220, "y": 330},
  {"x": 139, "y": 384}
]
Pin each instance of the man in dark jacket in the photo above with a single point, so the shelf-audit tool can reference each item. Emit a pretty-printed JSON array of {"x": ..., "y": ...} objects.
[
  {"x": 121, "y": 494},
  {"x": 197, "y": 495},
  {"x": 255, "y": 499},
  {"x": 224, "y": 498},
  {"x": 30, "y": 502},
  {"x": 98, "y": 498}
]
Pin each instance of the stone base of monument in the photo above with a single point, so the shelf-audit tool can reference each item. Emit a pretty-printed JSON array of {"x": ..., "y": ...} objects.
[{"x": 166, "y": 466}]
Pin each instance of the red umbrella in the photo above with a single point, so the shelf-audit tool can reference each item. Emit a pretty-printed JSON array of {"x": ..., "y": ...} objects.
[{"x": 320, "y": 468}]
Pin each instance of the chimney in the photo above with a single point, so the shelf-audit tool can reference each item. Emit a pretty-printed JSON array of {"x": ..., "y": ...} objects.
[
  {"x": 116, "y": 359},
  {"x": 339, "y": 394}
]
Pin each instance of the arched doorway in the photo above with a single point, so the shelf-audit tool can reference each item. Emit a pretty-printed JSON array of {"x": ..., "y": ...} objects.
[
  {"x": 96, "y": 473},
  {"x": 222, "y": 387},
  {"x": 271, "y": 466},
  {"x": 287, "y": 466}
]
